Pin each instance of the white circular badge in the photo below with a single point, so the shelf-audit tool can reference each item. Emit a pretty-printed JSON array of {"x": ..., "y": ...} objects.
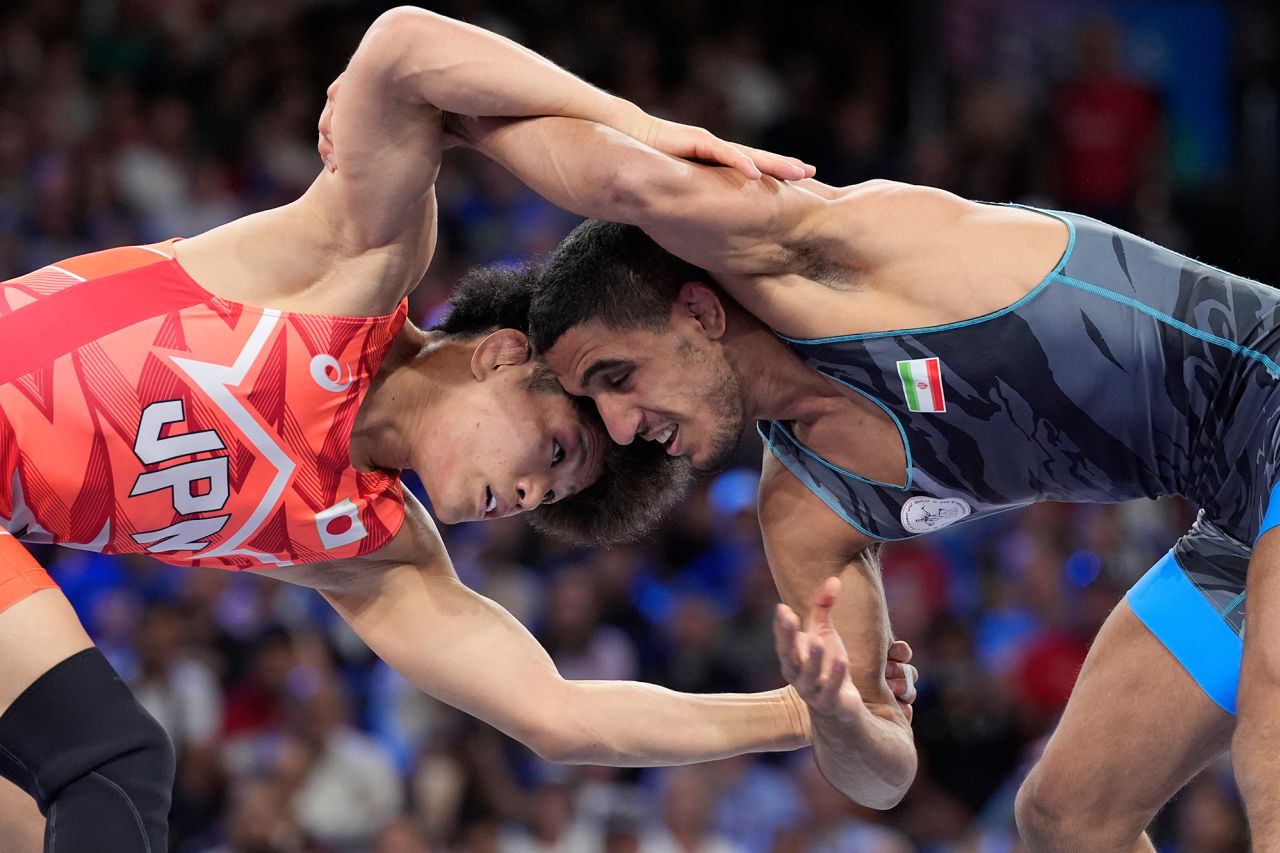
[{"x": 922, "y": 515}]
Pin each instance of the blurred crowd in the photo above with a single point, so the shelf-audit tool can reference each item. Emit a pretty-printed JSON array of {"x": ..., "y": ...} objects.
[{"x": 126, "y": 121}]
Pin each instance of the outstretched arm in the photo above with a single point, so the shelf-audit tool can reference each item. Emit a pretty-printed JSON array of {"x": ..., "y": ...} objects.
[
  {"x": 834, "y": 657},
  {"x": 466, "y": 650}
]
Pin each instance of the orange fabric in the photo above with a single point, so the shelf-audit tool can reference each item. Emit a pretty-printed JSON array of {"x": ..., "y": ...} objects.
[
  {"x": 20, "y": 574},
  {"x": 203, "y": 432}
]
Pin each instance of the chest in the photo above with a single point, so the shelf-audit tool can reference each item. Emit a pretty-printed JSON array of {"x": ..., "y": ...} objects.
[{"x": 209, "y": 439}]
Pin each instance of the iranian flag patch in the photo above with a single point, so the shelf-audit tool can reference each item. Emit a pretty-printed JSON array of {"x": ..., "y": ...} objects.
[{"x": 922, "y": 384}]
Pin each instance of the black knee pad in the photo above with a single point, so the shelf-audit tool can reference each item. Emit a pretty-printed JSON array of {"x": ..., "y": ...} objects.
[{"x": 98, "y": 765}]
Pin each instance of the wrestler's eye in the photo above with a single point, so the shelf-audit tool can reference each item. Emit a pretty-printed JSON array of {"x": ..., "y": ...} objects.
[
  {"x": 618, "y": 380},
  {"x": 557, "y": 453}
]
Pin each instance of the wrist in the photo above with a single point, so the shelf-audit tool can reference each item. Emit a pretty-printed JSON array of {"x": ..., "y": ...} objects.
[
  {"x": 852, "y": 721},
  {"x": 626, "y": 117},
  {"x": 798, "y": 717}
]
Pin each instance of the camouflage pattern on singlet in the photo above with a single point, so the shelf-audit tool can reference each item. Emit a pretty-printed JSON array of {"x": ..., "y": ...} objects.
[{"x": 1130, "y": 371}]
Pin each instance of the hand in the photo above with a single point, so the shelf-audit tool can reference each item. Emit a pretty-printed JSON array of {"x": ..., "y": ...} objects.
[
  {"x": 696, "y": 143},
  {"x": 814, "y": 661},
  {"x": 902, "y": 676},
  {"x": 325, "y": 126}
]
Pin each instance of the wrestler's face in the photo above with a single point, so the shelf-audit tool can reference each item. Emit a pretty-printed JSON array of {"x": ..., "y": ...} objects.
[
  {"x": 510, "y": 440},
  {"x": 672, "y": 385}
]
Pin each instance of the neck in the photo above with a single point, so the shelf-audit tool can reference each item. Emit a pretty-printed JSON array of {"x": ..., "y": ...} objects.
[
  {"x": 412, "y": 383},
  {"x": 778, "y": 385}
]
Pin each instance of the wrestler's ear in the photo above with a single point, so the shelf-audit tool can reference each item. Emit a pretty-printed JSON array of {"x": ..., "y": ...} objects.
[
  {"x": 701, "y": 303},
  {"x": 503, "y": 348}
]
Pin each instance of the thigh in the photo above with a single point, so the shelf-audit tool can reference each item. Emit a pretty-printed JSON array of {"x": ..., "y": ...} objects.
[
  {"x": 1136, "y": 728},
  {"x": 38, "y": 627},
  {"x": 21, "y": 824}
]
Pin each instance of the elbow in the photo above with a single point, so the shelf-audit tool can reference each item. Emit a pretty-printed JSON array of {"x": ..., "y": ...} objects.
[
  {"x": 557, "y": 746},
  {"x": 890, "y": 794},
  {"x": 409, "y": 20},
  {"x": 555, "y": 736},
  {"x": 403, "y": 41},
  {"x": 895, "y": 781},
  {"x": 884, "y": 802}
]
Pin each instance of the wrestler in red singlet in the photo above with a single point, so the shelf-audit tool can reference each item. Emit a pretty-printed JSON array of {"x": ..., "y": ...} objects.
[{"x": 141, "y": 414}]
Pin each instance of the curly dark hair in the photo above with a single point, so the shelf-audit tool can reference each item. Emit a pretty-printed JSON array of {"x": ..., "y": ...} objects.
[{"x": 638, "y": 484}]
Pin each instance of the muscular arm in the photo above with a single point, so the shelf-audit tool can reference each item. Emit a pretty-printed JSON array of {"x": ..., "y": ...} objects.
[
  {"x": 381, "y": 137},
  {"x": 410, "y": 66},
  {"x": 711, "y": 216},
  {"x": 467, "y": 651},
  {"x": 775, "y": 246},
  {"x": 865, "y": 749}
]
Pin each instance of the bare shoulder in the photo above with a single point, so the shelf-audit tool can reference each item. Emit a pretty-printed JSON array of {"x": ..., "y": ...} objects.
[
  {"x": 832, "y": 257},
  {"x": 293, "y": 258},
  {"x": 884, "y": 255},
  {"x": 871, "y": 218}
]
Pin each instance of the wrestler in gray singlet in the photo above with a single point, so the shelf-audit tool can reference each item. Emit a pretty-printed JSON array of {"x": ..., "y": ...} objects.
[{"x": 1129, "y": 371}]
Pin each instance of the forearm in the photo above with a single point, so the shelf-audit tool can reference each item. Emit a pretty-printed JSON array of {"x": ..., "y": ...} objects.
[
  {"x": 708, "y": 215},
  {"x": 584, "y": 167},
  {"x": 463, "y": 69},
  {"x": 871, "y": 757},
  {"x": 631, "y": 724},
  {"x": 469, "y": 652}
]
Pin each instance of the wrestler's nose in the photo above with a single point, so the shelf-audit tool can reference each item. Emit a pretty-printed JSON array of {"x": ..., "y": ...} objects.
[
  {"x": 532, "y": 492},
  {"x": 621, "y": 419}
]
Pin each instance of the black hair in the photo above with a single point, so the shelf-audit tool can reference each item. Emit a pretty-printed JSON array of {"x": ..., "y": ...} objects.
[
  {"x": 638, "y": 483},
  {"x": 608, "y": 273},
  {"x": 488, "y": 298}
]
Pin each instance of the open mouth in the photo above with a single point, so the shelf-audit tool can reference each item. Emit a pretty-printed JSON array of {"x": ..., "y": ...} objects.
[
  {"x": 490, "y": 502},
  {"x": 666, "y": 437}
]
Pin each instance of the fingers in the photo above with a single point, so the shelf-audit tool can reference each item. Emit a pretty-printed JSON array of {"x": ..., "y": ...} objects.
[
  {"x": 899, "y": 651},
  {"x": 778, "y": 166},
  {"x": 325, "y": 143},
  {"x": 824, "y": 677},
  {"x": 325, "y": 147},
  {"x": 783, "y": 168},
  {"x": 912, "y": 676},
  {"x": 820, "y": 613},
  {"x": 902, "y": 679},
  {"x": 906, "y": 694},
  {"x": 787, "y": 635},
  {"x": 701, "y": 144},
  {"x": 828, "y": 690},
  {"x": 742, "y": 162},
  {"x": 812, "y": 673}
]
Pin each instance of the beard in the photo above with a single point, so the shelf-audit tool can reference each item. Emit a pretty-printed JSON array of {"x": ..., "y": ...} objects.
[{"x": 724, "y": 394}]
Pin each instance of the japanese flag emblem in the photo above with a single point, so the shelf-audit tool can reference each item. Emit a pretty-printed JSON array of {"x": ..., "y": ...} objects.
[{"x": 340, "y": 525}]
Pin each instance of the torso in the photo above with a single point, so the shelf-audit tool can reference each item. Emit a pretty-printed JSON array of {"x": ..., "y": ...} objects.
[
  {"x": 1116, "y": 370},
  {"x": 144, "y": 414}
]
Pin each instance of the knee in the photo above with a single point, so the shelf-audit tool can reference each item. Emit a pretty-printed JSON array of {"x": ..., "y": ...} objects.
[
  {"x": 144, "y": 754},
  {"x": 80, "y": 720},
  {"x": 1055, "y": 812},
  {"x": 1040, "y": 811}
]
